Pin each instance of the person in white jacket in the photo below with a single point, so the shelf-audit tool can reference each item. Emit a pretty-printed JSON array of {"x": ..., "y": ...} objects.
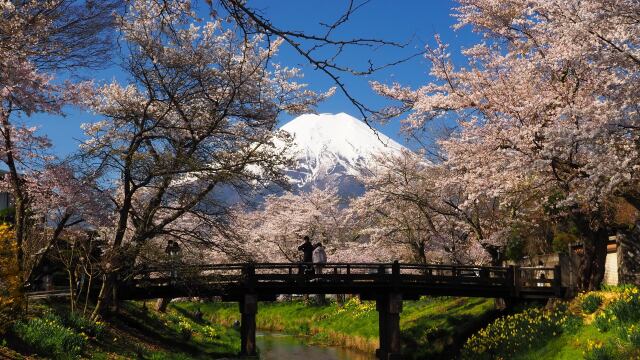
[{"x": 319, "y": 258}]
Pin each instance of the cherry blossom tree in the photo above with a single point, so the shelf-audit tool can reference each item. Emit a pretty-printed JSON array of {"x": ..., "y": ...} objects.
[
  {"x": 273, "y": 232},
  {"x": 396, "y": 210},
  {"x": 197, "y": 117},
  {"x": 546, "y": 106},
  {"x": 62, "y": 205},
  {"x": 39, "y": 39},
  {"x": 414, "y": 208}
]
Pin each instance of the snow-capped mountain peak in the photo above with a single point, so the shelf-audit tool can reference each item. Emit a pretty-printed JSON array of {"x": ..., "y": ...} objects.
[{"x": 334, "y": 150}]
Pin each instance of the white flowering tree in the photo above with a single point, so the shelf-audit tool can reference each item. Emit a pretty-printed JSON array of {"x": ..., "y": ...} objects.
[
  {"x": 547, "y": 109},
  {"x": 38, "y": 41},
  {"x": 198, "y": 116},
  {"x": 415, "y": 208},
  {"x": 273, "y": 232}
]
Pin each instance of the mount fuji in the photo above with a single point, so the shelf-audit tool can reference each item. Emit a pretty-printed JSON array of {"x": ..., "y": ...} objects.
[{"x": 333, "y": 151}]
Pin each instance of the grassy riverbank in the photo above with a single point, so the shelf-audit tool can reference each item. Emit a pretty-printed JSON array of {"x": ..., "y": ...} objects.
[
  {"x": 431, "y": 327},
  {"x": 50, "y": 333},
  {"x": 600, "y": 325}
]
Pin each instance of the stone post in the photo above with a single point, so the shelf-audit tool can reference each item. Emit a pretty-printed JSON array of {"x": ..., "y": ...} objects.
[{"x": 161, "y": 304}]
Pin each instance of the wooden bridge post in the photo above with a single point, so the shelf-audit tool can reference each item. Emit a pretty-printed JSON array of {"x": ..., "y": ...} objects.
[
  {"x": 248, "y": 309},
  {"x": 516, "y": 275},
  {"x": 395, "y": 270},
  {"x": 389, "y": 307},
  {"x": 557, "y": 280}
]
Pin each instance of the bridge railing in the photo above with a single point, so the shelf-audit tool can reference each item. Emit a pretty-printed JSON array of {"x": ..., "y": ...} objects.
[
  {"x": 413, "y": 272},
  {"x": 532, "y": 277},
  {"x": 518, "y": 278}
]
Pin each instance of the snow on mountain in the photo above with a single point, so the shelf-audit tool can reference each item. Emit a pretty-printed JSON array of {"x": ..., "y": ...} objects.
[{"x": 334, "y": 150}]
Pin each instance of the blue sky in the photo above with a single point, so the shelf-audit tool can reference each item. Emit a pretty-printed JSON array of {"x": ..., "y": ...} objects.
[{"x": 401, "y": 20}]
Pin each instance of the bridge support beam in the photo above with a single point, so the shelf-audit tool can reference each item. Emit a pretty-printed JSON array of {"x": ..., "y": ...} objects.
[
  {"x": 248, "y": 309},
  {"x": 389, "y": 307}
]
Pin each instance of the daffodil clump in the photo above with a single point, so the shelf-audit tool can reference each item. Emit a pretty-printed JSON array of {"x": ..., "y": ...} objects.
[
  {"x": 48, "y": 336},
  {"x": 183, "y": 325},
  {"x": 632, "y": 334},
  {"x": 513, "y": 334},
  {"x": 591, "y": 303},
  {"x": 622, "y": 318},
  {"x": 621, "y": 312},
  {"x": 211, "y": 331},
  {"x": 93, "y": 329},
  {"x": 627, "y": 307},
  {"x": 597, "y": 350},
  {"x": 188, "y": 327},
  {"x": 356, "y": 308},
  {"x": 605, "y": 321}
]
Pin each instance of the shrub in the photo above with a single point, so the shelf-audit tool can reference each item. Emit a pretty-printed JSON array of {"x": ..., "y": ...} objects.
[
  {"x": 47, "y": 336},
  {"x": 512, "y": 334},
  {"x": 591, "y": 303}
]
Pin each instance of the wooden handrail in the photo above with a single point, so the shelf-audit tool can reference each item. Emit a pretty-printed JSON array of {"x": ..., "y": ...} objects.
[{"x": 249, "y": 276}]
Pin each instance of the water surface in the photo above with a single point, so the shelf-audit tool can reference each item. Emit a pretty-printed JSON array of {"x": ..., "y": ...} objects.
[{"x": 276, "y": 346}]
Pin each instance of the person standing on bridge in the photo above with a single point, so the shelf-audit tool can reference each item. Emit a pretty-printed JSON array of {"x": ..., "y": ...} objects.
[
  {"x": 319, "y": 258},
  {"x": 307, "y": 250}
]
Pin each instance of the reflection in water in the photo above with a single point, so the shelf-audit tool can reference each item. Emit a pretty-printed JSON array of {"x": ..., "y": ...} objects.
[{"x": 274, "y": 346}]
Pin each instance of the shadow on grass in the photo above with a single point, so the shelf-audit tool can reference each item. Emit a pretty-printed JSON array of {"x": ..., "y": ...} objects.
[
  {"x": 142, "y": 325},
  {"x": 444, "y": 341}
]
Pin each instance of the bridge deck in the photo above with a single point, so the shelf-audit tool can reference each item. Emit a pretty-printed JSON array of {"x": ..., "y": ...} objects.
[{"x": 267, "y": 280}]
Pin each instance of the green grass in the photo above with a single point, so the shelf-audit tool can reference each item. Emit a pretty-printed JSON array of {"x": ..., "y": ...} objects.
[
  {"x": 437, "y": 328},
  {"x": 583, "y": 339},
  {"x": 135, "y": 333},
  {"x": 431, "y": 327},
  {"x": 568, "y": 346},
  {"x": 175, "y": 335}
]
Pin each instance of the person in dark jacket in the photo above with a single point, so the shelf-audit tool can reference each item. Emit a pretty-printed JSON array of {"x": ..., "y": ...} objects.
[{"x": 307, "y": 250}]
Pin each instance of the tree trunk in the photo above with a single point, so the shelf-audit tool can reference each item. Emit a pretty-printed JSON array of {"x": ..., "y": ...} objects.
[
  {"x": 16, "y": 188},
  {"x": 72, "y": 286},
  {"x": 108, "y": 281},
  {"x": 592, "y": 264},
  {"x": 86, "y": 296}
]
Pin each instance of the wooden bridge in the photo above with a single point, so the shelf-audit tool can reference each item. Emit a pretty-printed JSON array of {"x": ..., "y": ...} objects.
[{"x": 388, "y": 284}]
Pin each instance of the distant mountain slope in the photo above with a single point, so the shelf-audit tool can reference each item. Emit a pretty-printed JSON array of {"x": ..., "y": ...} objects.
[{"x": 334, "y": 151}]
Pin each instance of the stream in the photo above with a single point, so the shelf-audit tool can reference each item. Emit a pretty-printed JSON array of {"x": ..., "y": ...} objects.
[{"x": 277, "y": 346}]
